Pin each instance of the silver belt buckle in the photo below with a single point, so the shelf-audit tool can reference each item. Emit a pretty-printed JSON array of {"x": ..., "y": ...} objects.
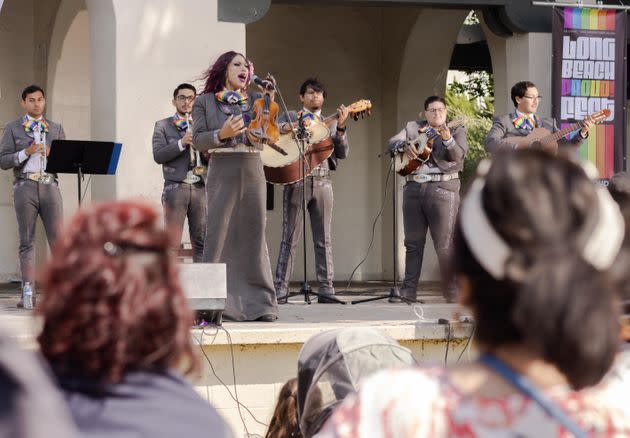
[
  {"x": 46, "y": 178},
  {"x": 422, "y": 178},
  {"x": 33, "y": 176},
  {"x": 191, "y": 178}
]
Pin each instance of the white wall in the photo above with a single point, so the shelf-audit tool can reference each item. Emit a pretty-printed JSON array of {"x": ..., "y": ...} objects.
[
  {"x": 69, "y": 79},
  {"x": 16, "y": 71},
  {"x": 141, "y": 51}
]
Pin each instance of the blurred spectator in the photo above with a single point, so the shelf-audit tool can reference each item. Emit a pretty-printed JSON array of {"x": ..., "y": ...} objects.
[
  {"x": 284, "y": 423},
  {"x": 535, "y": 242},
  {"x": 332, "y": 364},
  {"x": 116, "y": 327},
  {"x": 30, "y": 405}
]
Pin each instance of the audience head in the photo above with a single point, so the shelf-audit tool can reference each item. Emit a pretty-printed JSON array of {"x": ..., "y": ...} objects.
[
  {"x": 534, "y": 245},
  {"x": 332, "y": 364},
  {"x": 113, "y": 302},
  {"x": 619, "y": 188},
  {"x": 284, "y": 423}
]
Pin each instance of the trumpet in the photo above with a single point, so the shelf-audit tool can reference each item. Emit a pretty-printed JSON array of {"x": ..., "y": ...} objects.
[
  {"x": 40, "y": 138},
  {"x": 195, "y": 155}
]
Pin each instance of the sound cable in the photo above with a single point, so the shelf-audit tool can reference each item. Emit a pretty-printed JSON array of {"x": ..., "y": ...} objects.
[
  {"x": 378, "y": 215},
  {"x": 467, "y": 346},
  {"x": 234, "y": 395}
]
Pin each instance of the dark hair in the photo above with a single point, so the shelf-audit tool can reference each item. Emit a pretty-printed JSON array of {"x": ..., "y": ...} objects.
[
  {"x": 215, "y": 76},
  {"x": 619, "y": 188},
  {"x": 559, "y": 306},
  {"x": 32, "y": 89},
  {"x": 284, "y": 422},
  {"x": 113, "y": 301},
  {"x": 315, "y": 84},
  {"x": 184, "y": 86},
  {"x": 429, "y": 100},
  {"x": 519, "y": 89}
]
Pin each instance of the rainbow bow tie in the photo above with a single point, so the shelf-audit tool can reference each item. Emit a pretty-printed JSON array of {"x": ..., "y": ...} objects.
[
  {"x": 231, "y": 97},
  {"x": 524, "y": 121},
  {"x": 310, "y": 116},
  {"x": 30, "y": 125},
  {"x": 180, "y": 122}
]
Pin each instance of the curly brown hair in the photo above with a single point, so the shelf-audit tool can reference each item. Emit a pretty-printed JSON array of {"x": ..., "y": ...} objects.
[
  {"x": 284, "y": 423},
  {"x": 113, "y": 301}
]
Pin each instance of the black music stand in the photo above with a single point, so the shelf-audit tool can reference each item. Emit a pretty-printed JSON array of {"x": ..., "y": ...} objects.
[{"x": 83, "y": 157}]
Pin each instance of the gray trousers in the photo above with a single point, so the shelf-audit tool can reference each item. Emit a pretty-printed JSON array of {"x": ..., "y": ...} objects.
[
  {"x": 429, "y": 206},
  {"x": 31, "y": 199},
  {"x": 319, "y": 203},
  {"x": 181, "y": 200}
]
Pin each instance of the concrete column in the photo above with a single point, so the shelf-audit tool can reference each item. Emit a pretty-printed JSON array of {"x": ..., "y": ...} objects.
[
  {"x": 522, "y": 57},
  {"x": 141, "y": 50}
]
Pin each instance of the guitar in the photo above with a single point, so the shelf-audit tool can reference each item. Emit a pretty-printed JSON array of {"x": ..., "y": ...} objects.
[
  {"x": 281, "y": 160},
  {"x": 424, "y": 144},
  {"x": 545, "y": 139}
]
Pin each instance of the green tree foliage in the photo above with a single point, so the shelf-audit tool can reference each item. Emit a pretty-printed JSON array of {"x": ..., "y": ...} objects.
[{"x": 474, "y": 100}]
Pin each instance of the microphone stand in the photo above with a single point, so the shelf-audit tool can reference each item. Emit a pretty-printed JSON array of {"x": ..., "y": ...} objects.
[
  {"x": 394, "y": 295},
  {"x": 301, "y": 138}
]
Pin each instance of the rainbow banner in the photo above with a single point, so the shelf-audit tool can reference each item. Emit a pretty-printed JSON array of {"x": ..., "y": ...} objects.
[{"x": 589, "y": 74}]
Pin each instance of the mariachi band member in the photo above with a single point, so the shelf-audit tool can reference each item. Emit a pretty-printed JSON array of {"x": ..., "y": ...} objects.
[
  {"x": 523, "y": 120},
  {"x": 184, "y": 170},
  {"x": 319, "y": 197},
  {"x": 236, "y": 189},
  {"x": 24, "y": 147},
  {"x": 431, "y": 194}
]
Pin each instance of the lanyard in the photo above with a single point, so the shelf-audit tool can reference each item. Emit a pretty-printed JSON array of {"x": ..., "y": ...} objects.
[{"x": 527, "y": 388}]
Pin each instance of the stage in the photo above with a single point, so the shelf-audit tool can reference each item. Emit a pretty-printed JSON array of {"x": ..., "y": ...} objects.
[{"x": 265, "y": 354}]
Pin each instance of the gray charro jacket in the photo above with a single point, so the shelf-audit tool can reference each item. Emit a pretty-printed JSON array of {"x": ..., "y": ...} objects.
[
  {"x": 175, "y": 163},
  {"x": 15, "y": 139},
  {"x": 502, "y": 126}
]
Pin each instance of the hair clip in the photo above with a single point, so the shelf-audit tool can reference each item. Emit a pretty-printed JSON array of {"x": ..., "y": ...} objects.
[{"x": 111, "y": 248}]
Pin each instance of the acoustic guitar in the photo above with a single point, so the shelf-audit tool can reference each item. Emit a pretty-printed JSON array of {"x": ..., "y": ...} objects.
[
  {"x": 545, "y": 139},
  {"x": 424, "y": 145},
  {"x": 281, "y": 160}
]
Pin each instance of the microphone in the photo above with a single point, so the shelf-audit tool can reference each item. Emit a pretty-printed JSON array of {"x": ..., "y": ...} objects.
[{"x": 267, "y": 85}]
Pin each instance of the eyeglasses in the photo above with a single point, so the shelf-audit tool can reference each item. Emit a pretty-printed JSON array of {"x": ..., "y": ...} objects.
[
  {"x": 435, "y": 111},
  {"x": 532, "y": 97},
  {"x": 182, "y": 98}
]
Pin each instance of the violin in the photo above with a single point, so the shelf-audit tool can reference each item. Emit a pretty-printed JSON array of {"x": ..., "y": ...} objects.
[{"x": 264, "y": 129}]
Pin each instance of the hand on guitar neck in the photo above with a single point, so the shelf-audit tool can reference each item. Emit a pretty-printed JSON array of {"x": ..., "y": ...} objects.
[{"x": 542, "y": 138}]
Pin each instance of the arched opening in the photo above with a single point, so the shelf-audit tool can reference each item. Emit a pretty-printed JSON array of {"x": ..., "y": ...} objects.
[{"x": 69, "y": 83}]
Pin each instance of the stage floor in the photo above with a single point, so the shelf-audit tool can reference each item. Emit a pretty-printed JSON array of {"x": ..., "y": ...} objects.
[{"x": 296, "y": 314}]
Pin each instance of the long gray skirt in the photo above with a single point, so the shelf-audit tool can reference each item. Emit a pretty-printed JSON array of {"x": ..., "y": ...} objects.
[{"x": 235, "y": 233}]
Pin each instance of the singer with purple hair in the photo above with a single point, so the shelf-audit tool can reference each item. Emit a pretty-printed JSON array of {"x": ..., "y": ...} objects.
[{"x": 236, "y": 189}]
